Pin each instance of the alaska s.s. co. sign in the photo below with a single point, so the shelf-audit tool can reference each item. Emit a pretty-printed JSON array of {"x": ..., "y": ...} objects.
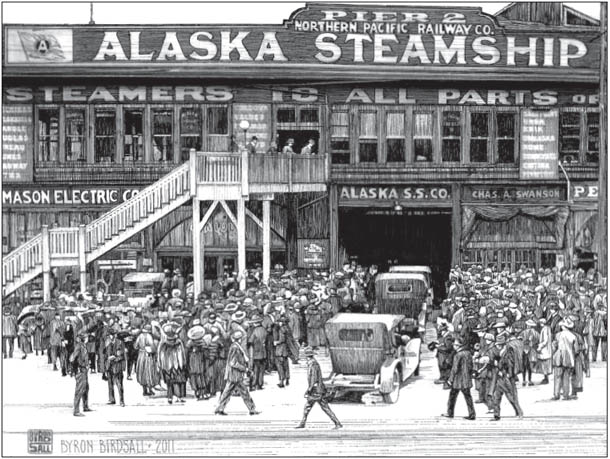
[{"x": 397, "y": 37}]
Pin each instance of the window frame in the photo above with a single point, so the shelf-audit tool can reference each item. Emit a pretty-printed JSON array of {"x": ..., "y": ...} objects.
[
  {"x": 385, "y": 137},
  {"x": 441, "y": 137},
  {"x": 180, "y": 135},
  {"x": 577, "y": 156},
  {"x": 369, "y": 140},
  {"x": 434, "y": 139},
  {"x": 341, "y": 108},
  {"x": 85, "y": 131},
  {"x": 516, "y": 112},
  {"x": 60, "y": 108},
  {"x": 117, "y": 128},
  {"x": 145, "y": 121},
  {"x": 171, "y": 109},
  {"x": 470, "y": 137}
]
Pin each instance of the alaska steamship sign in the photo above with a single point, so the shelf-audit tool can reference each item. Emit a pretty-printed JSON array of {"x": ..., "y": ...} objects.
[{"x": 320, "y": 35}]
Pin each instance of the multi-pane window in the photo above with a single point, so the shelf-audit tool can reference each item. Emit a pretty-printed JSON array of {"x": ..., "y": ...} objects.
[
  {"x": 592, "y": 145},
  {"x": 105, "y": 136},
  {"x": 395, "y": 136},
  {"x": 133, "y": 136},
  {"x": 286, "y": 115},
  {"x": 422, "y": 136},
  {"x": 505, "y": 137},
  {"x": 569, "y": 137},
  {"x": 218, "y": 120},
  {"x": 162, "y": 135},
  {"x": 367, "y": 142},
  {"x": 190, "y": 131},
  {"x": 451, "y": 142},
  {"x": 75, "y": 134},
  {"x": 339, "y": 137},
  {"x": 308, "y": 115},
  {"x": 48, "y": 134},
  {"x": 479, "y": 136}
]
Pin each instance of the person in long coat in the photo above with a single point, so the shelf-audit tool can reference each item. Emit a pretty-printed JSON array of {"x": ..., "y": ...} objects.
[
  {"x": 545, "y": 351},
  {"x": 9, "y": 332},
  {"x": 39, "y": 327},
  {"x": 25, "y": 339},
  {"x": 460, "y": 379},
  {"x": 565, "y": 346},
  {"x": 530, "y": 339},
  {"x": 600, "y": 333},
  {"x": 281, "y": 341},
  {"x": 172, "y": 362},
  {"x": 147, "y": 372},
  {"x": 257, "y": 337},
  {"x": 216, "y": 364},
  {"x": 295, "y": 324},
  {"x": 314, "y": 326},
  {"x": 580, "y": 358},
  {"x": 504, "y": 378},
  {"x": 195, "y": 351}
]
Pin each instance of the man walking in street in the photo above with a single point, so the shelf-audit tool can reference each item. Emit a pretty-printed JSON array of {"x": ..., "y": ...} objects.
[
  {"x": 460, "y": 379},
  {"x": 115, "y": 365},
  {"x": 9, "y": 332},
  {"x": 316, "y": 391},
  {"x": 257, "y": 336},
  {"x": 504, "y": 378},
  {"x": 564, "y": 359},
  {"x": 56, "y": 335},
  {"x": 78, "y": 360},
  {"x": 236, "y": 370}
]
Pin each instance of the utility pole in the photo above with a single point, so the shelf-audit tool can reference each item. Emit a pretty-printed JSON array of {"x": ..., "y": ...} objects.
[{"x": 602, "y": 221}]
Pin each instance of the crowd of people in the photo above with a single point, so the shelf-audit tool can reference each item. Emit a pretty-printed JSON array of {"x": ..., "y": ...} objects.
[
  {"x": 498, "y": 326},
  {"x": 175, "y": 338}
]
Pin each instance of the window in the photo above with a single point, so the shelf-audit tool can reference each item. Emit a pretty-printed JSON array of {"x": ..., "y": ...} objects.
[
  {"x": 48, "y": 134},
  {"x": 356, "y": 334},
  {"x": 367, "y": 144},
  {"x": 190, "y": 131},
  {"x": 308, "y": 115},
  {"x": 105, "y": 136},
  {"x": 286, "y": 115},
  {"x": 592, "y": 151},
  {"x": 339, "y": 137},
  {"x": 451, "y": 136},
  {"x": 218, "y": 120},
  {"x": 395, "y": 136},
  {"x": 162, "y": 135},
  {"x": 505, "y": 137},
  {"x": 569, "y": 137},
  {"x": 133, "y": 143},
  {"x": 422, "y": 136},
  {"x": 479, "y": 135},
  {"x": 75, "y": 135}
]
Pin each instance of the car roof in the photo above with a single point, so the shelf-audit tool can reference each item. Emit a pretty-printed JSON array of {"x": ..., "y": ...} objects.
[
  {"x": 389, "y": 320},
  {"x": 410, "y": 269},
  {"x": 401, "y": 276}
]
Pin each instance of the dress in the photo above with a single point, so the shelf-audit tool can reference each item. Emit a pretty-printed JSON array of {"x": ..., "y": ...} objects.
[
  {"x": 147, "y": 373},
  {"x": 172, "y": 363}
]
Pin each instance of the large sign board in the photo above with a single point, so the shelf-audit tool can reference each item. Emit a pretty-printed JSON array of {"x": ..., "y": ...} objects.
[
  {"x": 539, "y": 145},
  {"x": 319, "y": 34},
  {"x": 513, "y": 194},
  {"x": 17, "y": 143},
  {"x": 313, "y": 253},
  {"x": 350, "y": 195},
  {"x": 66, "y": 196}
]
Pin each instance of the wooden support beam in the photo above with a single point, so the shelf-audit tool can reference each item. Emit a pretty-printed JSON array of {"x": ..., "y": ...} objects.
[
  {"x": 225, "y": 206},
  {"x": 241, "y": 241},
  {"x": 46, "y": 264},
  {"x": 208, "y": 214},
  {"x": 456, "y": 223},
  {"x": 266, "y": 241},
  {"x": 197, "y": 249},
  {"x": 82, "y": 257},
  {"x": 333, "y": 209},
  {"x": 254, "y": 218}
]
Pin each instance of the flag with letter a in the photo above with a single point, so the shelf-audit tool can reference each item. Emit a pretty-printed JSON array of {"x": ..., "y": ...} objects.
[{"x": 41, "y": 46}]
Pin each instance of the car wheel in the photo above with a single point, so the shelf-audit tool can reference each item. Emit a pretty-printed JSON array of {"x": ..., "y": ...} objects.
[{"x": 392, "y": 397}]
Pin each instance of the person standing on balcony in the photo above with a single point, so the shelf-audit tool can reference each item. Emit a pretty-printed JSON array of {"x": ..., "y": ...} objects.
[
  {"x": 272, "y": 148},
  {"x": 309, "y": 148},
  {"x": 288, "y": 147},
  {"x": 251, "y": 146}
]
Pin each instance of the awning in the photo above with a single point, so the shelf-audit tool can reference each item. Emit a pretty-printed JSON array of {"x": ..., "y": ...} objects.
[{"x": 144, "y": 277}]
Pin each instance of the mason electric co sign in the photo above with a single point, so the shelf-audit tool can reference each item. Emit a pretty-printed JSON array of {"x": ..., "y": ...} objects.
[{"x": 316, "y": 34}]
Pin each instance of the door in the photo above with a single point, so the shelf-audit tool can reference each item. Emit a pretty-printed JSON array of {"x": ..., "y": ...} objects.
[{"x": 227, "y": 265}]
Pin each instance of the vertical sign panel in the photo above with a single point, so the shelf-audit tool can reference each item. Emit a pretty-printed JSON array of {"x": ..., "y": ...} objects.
[
  {"x": 17, "y": 143},
  {"x": 260, "y": 123},
  {"x": 539, "y": 145}
]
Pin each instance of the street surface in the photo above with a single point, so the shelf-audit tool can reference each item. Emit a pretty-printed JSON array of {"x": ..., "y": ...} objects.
[{"x": 34, "y": 397}]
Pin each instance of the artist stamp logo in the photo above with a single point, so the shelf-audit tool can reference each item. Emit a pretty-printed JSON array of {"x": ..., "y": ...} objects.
[{"x": 40, "y": 441}]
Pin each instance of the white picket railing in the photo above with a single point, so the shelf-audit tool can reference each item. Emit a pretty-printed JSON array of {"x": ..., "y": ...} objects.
[
  {"x": 23, "y": 259},
  {"x": 63, "y": 242}
]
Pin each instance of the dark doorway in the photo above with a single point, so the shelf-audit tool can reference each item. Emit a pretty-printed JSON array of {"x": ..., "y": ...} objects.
[{"x": 412, "y": 237}]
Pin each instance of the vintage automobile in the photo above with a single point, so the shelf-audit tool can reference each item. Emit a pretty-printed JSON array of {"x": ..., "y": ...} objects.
[
  {"x": 403, "y": 293},
  {"x": 371, "y": 352},
  {"x": 138, "y": 285},
  {"x": 425, "y": 270}
]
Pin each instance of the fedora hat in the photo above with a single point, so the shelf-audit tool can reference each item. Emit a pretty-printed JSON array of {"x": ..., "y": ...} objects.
[
  {"x": 231, "y": 308},
  {"x": 501, "y": 339},
  {"x": 196, "y": 333},
  {"x": 567, "y": 322},
  {"x": 309, "y": 352},
  {"x": 238, "y": 316},
  {"x": 530, "y": 323},
  {"x": 176, "y": 293}
]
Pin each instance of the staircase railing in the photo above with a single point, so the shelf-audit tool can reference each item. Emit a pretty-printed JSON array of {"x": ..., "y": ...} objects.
[
  {"x": 63, "y": 242},
  {"x": 23, "y": 259},
  {"x": 166, "y": 189}
]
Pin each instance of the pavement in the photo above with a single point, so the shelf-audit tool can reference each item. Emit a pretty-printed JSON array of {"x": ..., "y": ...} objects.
[{"x": 35, "y": 397}]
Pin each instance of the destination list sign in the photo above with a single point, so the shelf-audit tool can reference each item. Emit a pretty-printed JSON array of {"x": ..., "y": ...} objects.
[
  {"x": 17, "y": 143},
  {"x": 539, "y": 145}
]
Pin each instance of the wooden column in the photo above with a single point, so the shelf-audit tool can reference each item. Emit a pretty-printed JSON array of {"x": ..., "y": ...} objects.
[
  {"x": 456, "y": 224},
  {"x": 333, "y": 221},
  {"x": 602, "y": 216},
  {"x": 291, "y": 230},
  {"x": 82, "y": 258},
  {"x": 266, "y": 240},
  {"x": 197, "y": 253},
  {"x": 241, "y": 241},
  {"x": 46, "y": 264}
]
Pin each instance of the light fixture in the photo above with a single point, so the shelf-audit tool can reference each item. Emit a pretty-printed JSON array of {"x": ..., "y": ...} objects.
[
  {"x": 245, "y": 125},
  {"x": 397, "y": 207}
]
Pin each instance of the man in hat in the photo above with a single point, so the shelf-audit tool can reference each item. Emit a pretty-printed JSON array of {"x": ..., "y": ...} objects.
[
  {"x": 9, "y": 332},
  {"x": 236, "y": 370},
  {"x": 114, "y": 356},
  {"x": 530, "y": 339},
  {"x": 600, "y": 332},
  {"x": 444, "y": 354},
  {"x": 504, "y": 378},
  {"x": 257, "y": 337},
  {"x": 316, "y": 391},
  {"x": 281, "y": 340},
  {"x": 78, "y": 361},
  {"x": 178, "y": 282},
  {"x": 564, "y": 357},
  {"x": 172, "y": 362},
  {"x": 545, "y": 350},
  {"x": 56, "y": 333},
  {"x": 460, "y": 379},
  {"x": 195, "y": 351}
]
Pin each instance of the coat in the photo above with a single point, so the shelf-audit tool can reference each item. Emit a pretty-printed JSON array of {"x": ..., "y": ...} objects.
[
  {"x": 256, "y": 342},
  {"x": 530, "y": 339},
  {"x": 545, "y": 344},
  {"x": 600, "y": 323},
  {"x": 315, "y": 383},
  {"x": 237, "y": 363},
  {"x": 9, "y": 326},
  {"x": 116, "y": 349},
  {"x": 280, "y": 340},
  {"x": 565, "y": 349},
  {"x": 461, "y": 369}
]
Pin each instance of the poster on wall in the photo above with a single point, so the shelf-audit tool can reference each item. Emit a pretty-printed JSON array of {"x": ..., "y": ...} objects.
[
  {"x": 539, "y": 145},
  {"x": 313, "y": 253},
  {"x": 259, "y": 119},
  {"x": 17, "y": 143}
]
